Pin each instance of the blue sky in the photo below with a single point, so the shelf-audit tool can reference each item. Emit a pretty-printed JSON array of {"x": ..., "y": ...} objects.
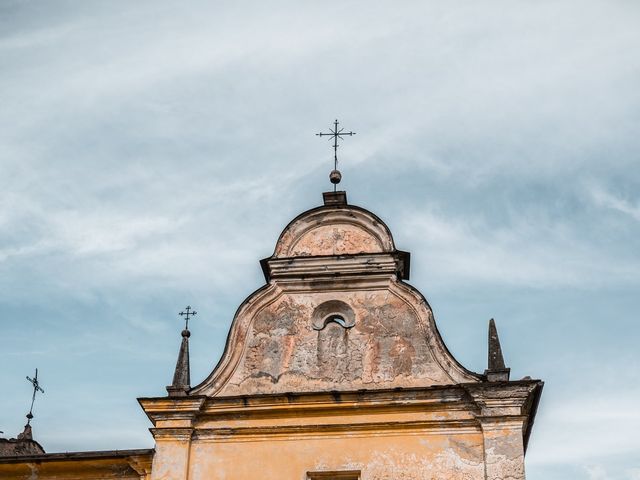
[{"x": 151, "y": 152}]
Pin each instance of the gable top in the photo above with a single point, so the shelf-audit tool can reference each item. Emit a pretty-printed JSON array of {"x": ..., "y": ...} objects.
[
  {"x": 354, "y": 237},
  {"x": 335, "y": 228}
]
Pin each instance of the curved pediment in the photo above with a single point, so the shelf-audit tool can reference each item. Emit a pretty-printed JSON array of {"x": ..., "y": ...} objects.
[
  {"x": 335, "y": 315},
  {"x": 334, "y": 230},
  {"x": 300, "y": 341}
]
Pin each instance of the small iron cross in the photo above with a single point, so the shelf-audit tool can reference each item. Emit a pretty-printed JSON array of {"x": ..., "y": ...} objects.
[
  {"x": 336, "y": 134},
  {"x": 186, "y": 316},
  {"x": 36, "y": 388}
]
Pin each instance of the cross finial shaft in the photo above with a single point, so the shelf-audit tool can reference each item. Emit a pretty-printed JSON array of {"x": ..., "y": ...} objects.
[
  {"x": 188, "y": 313},
  {"x": 337, "y": 134},
  {"x": 36, "y": 388}
]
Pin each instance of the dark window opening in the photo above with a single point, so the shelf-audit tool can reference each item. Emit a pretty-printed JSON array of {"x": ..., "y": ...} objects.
[
  {"x": 338, "y": 319},
  {"x": 335, "y": 475}
]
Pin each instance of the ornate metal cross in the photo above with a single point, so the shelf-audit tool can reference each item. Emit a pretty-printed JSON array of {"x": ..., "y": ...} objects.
[
  {"x": 336, "y": 134},
  {"x": 186, "y": 316},
  {"x": 36, "y": 388}
]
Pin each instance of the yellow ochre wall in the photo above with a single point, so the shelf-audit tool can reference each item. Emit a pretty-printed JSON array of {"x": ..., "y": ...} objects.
[{"x": 417, "y": 455}]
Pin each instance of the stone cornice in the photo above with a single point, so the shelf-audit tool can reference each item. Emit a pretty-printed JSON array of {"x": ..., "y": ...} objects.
[
  {"x": 441, "y": 398},
  {"x": 502, "y": 398},
  {"x": 441, "y": 427},
  {"x": 490, "y": 399},
  {"x": 90, "y": 456},
  {"x": 172, "y": 408},
  {"x": 336, "y": 283},
  {"x": 469, "y": 398},
  {"x": 141, "y": 464},
  {"x": 177, "y": 434},
  {"x": 336, "y": 265},
  {"x": 514, "y": 422},
  {"x": 506, "y": 401}
]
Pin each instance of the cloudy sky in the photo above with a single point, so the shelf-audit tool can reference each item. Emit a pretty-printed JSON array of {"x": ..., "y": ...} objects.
[{"x": 152, "y": 151}]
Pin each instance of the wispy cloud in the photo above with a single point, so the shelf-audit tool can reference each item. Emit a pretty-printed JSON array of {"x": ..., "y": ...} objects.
[
  {"x": 606, "y": 199},
  {"x": 634, "y": 473},
  {"x": 608, "y": 433},
  {"x": 596, "y": 472},
  {"x": 524, "y": 252}
]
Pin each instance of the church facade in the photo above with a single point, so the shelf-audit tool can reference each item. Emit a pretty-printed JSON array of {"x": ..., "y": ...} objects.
[{"x": 334, "y": 369}]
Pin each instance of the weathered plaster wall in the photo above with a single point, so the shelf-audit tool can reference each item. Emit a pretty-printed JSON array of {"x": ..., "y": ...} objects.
[
  {"x": 387, "y": 347},
  {"x": 171, "y": 460},
  {"x": 378, "y": 457},
  {"x": 504, "y": 451},
  {"x": 334, "y": 231},
  {"x": 473, "y": 431},
  {"x": 335, "y": 240}
]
